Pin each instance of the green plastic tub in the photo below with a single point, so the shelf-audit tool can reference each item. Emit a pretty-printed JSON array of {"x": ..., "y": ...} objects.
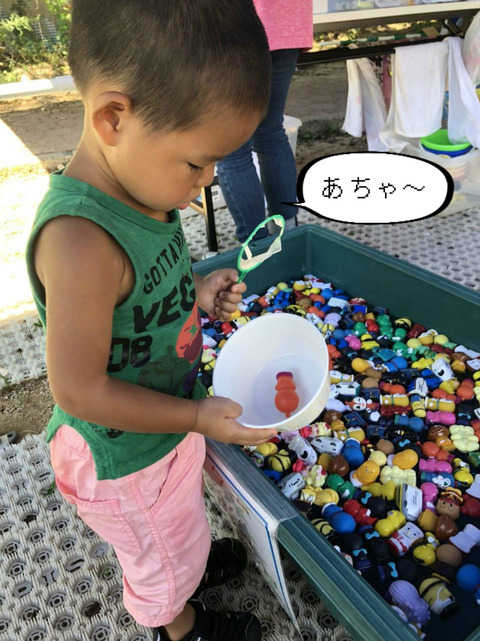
[
  {"x": 440, "y": 143},
  {"x": 407, "y": 291}
]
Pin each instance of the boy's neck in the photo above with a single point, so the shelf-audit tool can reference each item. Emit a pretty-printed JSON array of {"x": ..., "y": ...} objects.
[{"x": 90, "y": 167}]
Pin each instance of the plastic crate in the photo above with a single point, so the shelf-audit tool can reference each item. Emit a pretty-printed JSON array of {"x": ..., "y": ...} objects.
[{"x": 406, "y": 290}]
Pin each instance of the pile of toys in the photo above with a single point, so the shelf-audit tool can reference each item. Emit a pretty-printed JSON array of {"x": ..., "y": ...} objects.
[{"x": 387, "y": 472}]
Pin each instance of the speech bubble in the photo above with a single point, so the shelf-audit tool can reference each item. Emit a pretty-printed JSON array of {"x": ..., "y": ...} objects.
[{"x": 373, "y": 188}]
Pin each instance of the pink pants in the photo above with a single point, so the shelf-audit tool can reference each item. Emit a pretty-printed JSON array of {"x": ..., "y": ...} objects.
[{"x": 155, "y": 520}]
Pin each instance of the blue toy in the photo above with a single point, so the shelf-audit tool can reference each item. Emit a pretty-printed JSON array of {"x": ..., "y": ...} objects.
[
  {"x": 352, "y": 451},
  {"x": 468, "y": 578},
  {"x": 341, "y": 522}
]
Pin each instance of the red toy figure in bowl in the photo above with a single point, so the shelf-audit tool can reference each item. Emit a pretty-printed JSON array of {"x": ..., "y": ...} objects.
[{"x": 286, "y": 398}]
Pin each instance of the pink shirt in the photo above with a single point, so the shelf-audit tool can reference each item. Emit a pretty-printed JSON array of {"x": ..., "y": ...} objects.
[{"x": 288, "y": 23}]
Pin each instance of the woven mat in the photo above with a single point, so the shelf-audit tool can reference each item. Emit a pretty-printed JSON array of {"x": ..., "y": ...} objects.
[{"x": 60, "y": 582}]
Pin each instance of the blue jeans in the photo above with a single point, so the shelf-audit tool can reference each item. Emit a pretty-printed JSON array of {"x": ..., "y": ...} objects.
[{"x": 237, "y": 176}]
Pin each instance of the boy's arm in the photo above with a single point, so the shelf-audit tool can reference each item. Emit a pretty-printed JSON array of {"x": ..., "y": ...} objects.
[{"x": 82, "y": 270}]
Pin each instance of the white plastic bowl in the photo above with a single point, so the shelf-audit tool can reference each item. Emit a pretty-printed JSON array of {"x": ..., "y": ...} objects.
[{"x": 248, "y": 363}]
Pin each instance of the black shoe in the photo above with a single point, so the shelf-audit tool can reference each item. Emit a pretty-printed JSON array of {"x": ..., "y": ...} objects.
[
  {"x": 227, "y": 560},
  {"x": 218, "y": 626}
]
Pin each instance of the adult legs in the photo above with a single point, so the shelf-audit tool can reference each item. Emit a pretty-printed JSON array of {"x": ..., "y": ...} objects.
[
  {"x": 270, "y": 142},
  {"x": 237, "y": 176},
  {"x": 242, "y": 191}
]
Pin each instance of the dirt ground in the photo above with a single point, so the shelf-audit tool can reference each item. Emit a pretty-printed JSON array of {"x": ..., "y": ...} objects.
[{"x": 50, "y": 127}]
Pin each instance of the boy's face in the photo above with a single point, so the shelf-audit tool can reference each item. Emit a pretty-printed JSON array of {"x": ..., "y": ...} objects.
[{"x": 164, "y": 170}]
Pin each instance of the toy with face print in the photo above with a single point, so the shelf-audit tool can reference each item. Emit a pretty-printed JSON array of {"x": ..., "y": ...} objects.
[
  {"x": 403, "y": 539},
  {"x": 449, "y": 503}
]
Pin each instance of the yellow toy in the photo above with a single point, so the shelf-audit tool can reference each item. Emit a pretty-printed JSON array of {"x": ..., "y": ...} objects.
[
  {"x": 398, "y": 400},
  {"x": 360, "y": 365},
  {"x": 427, "y": 520},
  {"x": 398, "y": 476},
  {"x": 266, "y": 449},
  {"x": 427, "y": 338},
  {"x": 315, "y": 476},
  {"x": 464, "y": 438},
  {"x": 422, "y": 363},
  {"x": 385, "y": 490},
  {"x": 364, "y": 475},
  {"x": 279, "y": 462},
  {"x": 326, "y": 496},
  {"x": 339, "y": 430},
  {"x": 418, "y": 407},
  {"x": 339, "y": 377},
  {"x": 324, "y": 460},
  {"x": 439, "y": 598},
  {"x": 299, "y": 285},
  {"x": 322, "y": 526},
  {"x": 451, "y": 385},
  {"x": 442, "y": 404},
  {"x": 405, "y": 460},
  {"x": 394, "y": 521},
  {"x": 368, "y": 342},
  {"x": 379, "y": 457},
  {"x": 320, "y": 428},
  {"x": 426, "y": 554},
  {"x": 461, "y": 472},
  {"x": 318, "y": 496}
]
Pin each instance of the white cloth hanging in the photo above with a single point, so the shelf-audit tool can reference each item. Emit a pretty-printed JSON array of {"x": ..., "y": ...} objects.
[
  {"x": 366, "y": 108},
  {"x": 463, "y": 103},
  {"x": 418, "y": 91},
  {"x": 419, "y": 82}
]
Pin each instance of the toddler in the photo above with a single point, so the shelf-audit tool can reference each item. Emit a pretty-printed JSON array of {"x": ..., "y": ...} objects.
[{"x": 169, "y": 87}]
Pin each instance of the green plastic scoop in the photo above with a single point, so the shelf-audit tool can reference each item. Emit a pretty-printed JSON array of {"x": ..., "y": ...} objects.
[{"x": 246, "y": 261}]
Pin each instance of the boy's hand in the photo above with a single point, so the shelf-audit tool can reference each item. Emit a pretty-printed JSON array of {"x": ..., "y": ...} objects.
[
  {"x": 216, "y": 419},
  {"x": 219, "y": 293}
]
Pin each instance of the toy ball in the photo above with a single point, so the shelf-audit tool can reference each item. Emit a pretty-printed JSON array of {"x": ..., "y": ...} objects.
[{"x": 246, "y": 371}]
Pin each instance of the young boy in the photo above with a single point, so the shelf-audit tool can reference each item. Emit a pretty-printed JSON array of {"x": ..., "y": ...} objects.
[{"x": 169, "y": 87}]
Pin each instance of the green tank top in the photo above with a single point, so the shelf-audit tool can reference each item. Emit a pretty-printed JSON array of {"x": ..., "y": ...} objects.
[{"x": 156, "y": 332}]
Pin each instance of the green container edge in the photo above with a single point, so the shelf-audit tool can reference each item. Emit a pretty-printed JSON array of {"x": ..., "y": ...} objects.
[
  {"x": 429, "y": 142},
  {"x": 350, "y": 598}
]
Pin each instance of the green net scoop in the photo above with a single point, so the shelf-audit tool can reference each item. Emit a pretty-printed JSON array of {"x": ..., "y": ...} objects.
[{"x": 247, "y": 260}]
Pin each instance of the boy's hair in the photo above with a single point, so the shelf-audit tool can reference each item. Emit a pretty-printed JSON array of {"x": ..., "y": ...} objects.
[{"x": 175, "y": 59}]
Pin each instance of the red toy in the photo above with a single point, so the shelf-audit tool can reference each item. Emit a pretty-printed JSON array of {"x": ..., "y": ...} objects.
[
  {"x": 286, "y": 398},
  {"x": 359, "y": 513},
  {"x": 471, "y": 506}
]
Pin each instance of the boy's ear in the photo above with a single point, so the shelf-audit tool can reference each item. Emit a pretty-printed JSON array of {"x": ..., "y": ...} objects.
[{"x": 110, "y": 112}]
